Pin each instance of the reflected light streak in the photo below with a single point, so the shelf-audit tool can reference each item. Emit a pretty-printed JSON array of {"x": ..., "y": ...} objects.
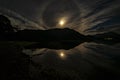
[{"x": 62, "y": 55}]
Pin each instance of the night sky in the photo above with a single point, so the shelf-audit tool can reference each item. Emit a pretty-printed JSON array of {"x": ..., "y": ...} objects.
[{"x": 85, "y": 16}]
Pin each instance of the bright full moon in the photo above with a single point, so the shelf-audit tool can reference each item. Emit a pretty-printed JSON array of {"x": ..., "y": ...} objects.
[{"x": 62, "y": 22}]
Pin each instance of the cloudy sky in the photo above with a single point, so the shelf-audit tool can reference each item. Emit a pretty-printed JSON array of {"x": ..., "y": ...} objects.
[{"x": 84, "y": 16}]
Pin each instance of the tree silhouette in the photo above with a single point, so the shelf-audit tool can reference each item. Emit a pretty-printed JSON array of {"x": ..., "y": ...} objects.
[{"x": 5, "y": 25}]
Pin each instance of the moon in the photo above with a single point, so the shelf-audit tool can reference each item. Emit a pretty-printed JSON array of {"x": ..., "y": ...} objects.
[{"x": 62, "y": 22}]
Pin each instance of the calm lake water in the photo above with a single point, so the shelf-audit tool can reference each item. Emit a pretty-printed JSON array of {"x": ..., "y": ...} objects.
[{"x": 87, "y": 61}]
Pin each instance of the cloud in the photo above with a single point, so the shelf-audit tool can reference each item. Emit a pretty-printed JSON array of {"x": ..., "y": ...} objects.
[
  {"x": 19, "y": 21},
  {"x": 92, "y": 17},
  {"x": 98, "y": 17}
]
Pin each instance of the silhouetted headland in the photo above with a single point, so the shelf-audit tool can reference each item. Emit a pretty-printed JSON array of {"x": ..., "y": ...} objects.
[{"x": 45, "y": 35}]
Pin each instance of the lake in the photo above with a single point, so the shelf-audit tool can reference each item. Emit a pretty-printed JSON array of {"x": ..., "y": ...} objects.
[{"x": 86, "y": 61}]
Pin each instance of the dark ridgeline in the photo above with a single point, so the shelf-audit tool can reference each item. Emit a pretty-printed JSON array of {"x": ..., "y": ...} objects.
[
  {"x": 53, "y": 38},
  {"x": 47, "y": 35},
  {"x": 5, "y": 25}
]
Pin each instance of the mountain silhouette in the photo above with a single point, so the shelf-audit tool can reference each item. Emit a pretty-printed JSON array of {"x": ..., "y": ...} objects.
[
  {"x": 5, "y": 25},
  {"x": 47, "y": 35}
]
